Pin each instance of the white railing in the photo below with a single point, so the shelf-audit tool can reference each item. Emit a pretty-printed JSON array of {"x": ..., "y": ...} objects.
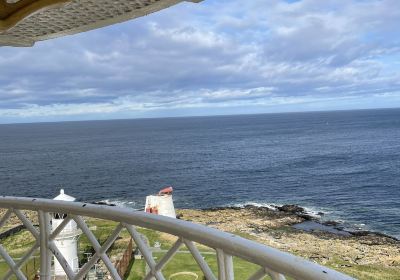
[{"x": 272, "y": 262}]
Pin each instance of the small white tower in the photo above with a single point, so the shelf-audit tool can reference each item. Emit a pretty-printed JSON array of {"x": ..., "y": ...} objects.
[{"x": 66, "y": 241}]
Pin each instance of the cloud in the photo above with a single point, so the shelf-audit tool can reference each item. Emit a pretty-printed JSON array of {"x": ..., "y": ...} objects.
[{"x": 211, "y": 55}]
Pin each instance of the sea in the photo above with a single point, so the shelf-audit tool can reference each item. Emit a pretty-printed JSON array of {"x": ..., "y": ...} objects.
[{"x": 345, "y": 164}]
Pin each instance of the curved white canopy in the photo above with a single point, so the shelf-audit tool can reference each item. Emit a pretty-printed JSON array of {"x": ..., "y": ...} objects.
[{"x": 24, "y": 22}]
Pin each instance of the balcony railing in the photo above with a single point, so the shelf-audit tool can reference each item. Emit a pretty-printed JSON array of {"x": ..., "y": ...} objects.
[{"x": 272, "y": 263}]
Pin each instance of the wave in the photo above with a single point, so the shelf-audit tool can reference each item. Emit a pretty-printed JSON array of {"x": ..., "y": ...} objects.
[
  {"x": 256, "y": 204},
  {"x": 123, "y": 203},
  {"x": 311, "y": 211}
]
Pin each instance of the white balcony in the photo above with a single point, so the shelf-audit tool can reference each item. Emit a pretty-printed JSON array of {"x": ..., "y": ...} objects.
[{"x": 272, "y": 263}]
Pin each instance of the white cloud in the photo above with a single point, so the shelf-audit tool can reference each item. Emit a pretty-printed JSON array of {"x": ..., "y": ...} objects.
[{"x": 216, "y": 53}]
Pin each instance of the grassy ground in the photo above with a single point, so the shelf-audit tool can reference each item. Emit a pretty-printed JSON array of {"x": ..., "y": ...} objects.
[
  {"x": 366, "y": 272},
  {"x": 184, "y": 262},
  {"x": 102, "y": 229},
  {"x": 18, "y": 244}
]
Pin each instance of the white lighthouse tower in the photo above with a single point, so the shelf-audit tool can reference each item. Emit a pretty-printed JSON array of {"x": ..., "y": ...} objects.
[{"x": 66, "y": 241}]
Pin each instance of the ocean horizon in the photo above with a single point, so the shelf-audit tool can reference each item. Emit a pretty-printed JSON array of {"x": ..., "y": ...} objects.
[{"x": 342, "y": 163}]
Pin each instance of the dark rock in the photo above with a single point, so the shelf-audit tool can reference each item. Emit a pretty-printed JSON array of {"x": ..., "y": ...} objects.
[
  {"x": 215, "y": 209},
  {"x": 257, "y": 228},
  {"x": 291, "y": 208},
  {"x": 212, "y": 223},
  {"x": 371, "y": 233},
  {"x": 103, "y": 203},
  {"x": 331, "y": 223},
  {"x": 11, "y": 231},
  {"x": 375, "y": 238},
  {"x": 179, "y": 216},
  {"x": 307, "y": 217}
]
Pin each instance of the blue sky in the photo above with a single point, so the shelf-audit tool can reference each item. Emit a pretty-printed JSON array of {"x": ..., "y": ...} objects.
[{"x": 216, "y": 57}]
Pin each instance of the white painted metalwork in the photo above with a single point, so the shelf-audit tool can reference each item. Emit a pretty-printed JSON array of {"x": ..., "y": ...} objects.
[{"x": 272, "y": 262}]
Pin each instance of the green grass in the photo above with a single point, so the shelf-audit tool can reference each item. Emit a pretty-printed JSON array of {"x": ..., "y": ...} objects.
[
  {"x": 365, "y": 272},
  {"x": 19, "y": 243},
  {"x": 184, "y": 262},
  {"x": 17, "y": 246},
  {"x": 138, "y": 270},
  {"x": 3, "y": 268}
]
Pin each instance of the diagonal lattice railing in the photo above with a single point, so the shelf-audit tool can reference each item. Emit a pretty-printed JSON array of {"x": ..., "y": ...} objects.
[{"x": 272, "y": 263}]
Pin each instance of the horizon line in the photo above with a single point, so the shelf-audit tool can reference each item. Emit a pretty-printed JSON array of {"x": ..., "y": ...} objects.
[{"x": 203, "y": 116}]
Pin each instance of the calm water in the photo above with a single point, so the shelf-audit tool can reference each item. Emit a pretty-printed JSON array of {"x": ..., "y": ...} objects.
[{"x": 346, "y": 164}]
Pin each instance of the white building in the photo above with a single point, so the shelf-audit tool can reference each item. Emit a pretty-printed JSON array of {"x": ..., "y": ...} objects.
[
  {"x": 66, "y": 241},
  {"x": 161, "y": 203}
]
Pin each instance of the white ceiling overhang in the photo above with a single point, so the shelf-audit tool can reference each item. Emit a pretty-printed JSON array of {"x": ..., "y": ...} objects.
[{"x": 24, "y": 22}]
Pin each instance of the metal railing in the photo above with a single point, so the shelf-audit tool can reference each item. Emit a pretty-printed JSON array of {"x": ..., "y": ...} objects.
[{"x": 271, "y": 262}]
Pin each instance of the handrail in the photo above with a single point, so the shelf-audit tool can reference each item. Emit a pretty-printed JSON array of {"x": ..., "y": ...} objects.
[{"x": 272, "y": 261}]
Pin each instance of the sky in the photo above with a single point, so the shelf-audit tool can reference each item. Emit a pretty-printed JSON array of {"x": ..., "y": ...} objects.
[{"x": 215, "y": 57}]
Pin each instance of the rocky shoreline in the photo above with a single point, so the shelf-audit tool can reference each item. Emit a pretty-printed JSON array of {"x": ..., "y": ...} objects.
[
  {"x": 375, "y": 254},
  {"x": 301, "y": 215}
]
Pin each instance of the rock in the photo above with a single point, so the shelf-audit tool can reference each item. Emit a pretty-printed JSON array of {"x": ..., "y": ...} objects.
[
  {"x": 291, "y": 208},
  {"x": 179, "y": 216},
  {"x": 274, "y": 228},
  {"x": 331, "y": 223},
  {"x": 103, "y": 203},
  {"x": 373, "y": 233},
  {"x": 216, "y": 209},
  {"x": 212, "y": 223}
]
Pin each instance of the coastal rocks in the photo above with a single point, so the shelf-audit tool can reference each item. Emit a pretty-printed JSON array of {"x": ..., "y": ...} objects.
[
  {"x": 103, "y": 203},
  {"x": 290, "y": 208},
  {"x": 331, "y": 223},
  {"x": 296, "y": 210},
  {"x": 273, "y": 226},
  {"x": 374, "y": 238}
]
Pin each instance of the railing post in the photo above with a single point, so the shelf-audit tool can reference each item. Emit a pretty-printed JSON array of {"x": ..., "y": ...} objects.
[
  {"x": 45, "y": 253},
  {"x": 225, "y": 265},
  {"x": 229, "y": 274},
  {"x": 221, "y": 264}
]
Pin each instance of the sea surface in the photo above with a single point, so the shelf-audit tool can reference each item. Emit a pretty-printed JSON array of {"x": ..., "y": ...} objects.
[{"x": 345, "y": 164}]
